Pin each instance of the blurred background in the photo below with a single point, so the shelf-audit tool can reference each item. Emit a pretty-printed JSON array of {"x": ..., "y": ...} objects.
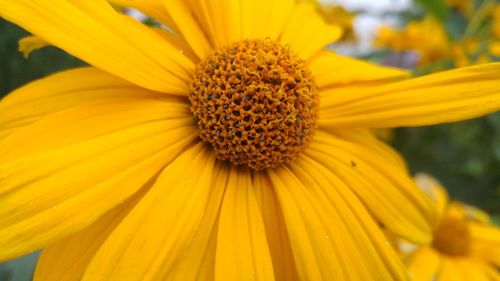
[{"x": 423, "y": 36}]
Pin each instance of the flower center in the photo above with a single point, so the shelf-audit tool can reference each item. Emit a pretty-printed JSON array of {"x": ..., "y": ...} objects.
[
  {"x": 452, "y": 237},
  {"x": 255, "y": 102}
]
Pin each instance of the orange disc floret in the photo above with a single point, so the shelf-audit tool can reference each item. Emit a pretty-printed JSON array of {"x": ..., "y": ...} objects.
[
  {"x": 452, "y": 237},
  {"x": 255, "y": 102}
]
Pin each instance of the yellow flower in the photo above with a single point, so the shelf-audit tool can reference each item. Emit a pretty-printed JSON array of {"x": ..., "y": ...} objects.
[
  {"x": 107, "y": 170},
  {"x": 415, "y": 37},
  {"x": 494, "y": 49},
  {"x": 464, "y": 247},
  {"x": 468, "y": 52},
  {"x": 338, "y": 15},
  {"x": 387, "y": 37}
]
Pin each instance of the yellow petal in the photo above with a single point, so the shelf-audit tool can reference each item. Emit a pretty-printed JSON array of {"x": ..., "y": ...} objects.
[
  {"x": 311, "y": 245},
  {"x": 485, "y": 243},
  {"x": 361, "y": 223},
  {"x": 187, "y": 25},
  {"x": 475, "y": 214},
  {"x": 97, "y": 34},
  {"x": 67, "y": 163},
  {"x": 486, "y": 233},
  {"x": 225, "y": 22},
  {"x": 29, "y": 44},
  {"x": 264, "y": 19},
  {"x": 495, "y": 47},
  {"x": 489, "y": 270},
  {"x": 178, "y": 42},
  {"x": 78, "y": 124},
  {"x": 339, "y": 96},
  {"x": 242, "y": 249},
  {"x": 152, "y": 8},
  {"x": 160, "y": 228},
  {"x": 278, "y": 240},
  {"x": 438, "y": 98},
  {"x": 220, "y": 19},
  {"x": 68, "y": 259},
  {"x": 368, "y": 139},
  {"x": 330, "y": 70},
  {"x": 387, "y": 191},
  {"x": 307, "y": 33},
  {"x": 456, "y": 210},
  {"x": 471, "y": 270},
  {"x": 435, "y": 191},
  {"x": 173, "y": 39},
  {"x": 450, "y": 270},
  {"x": 423, "y": 265},
  {"x": 198, "y": 259},
  {"x": 327, "y": 239},
  {"x": 62, "y": 91}
]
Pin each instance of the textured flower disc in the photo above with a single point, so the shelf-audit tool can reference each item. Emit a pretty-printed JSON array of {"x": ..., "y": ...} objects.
[
  {"x": 452, "y": 237},
  {"x": 255, "y": 102}
]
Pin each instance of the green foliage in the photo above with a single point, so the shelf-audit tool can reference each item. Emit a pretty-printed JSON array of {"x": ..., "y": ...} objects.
[
  {"x": 20, "y": 269},
  {"x": 464, "y": 156},
  {"x": 456, "y": 25},
  {"x": 437, "y": 8},
  {"x": 16, "y": 71}
]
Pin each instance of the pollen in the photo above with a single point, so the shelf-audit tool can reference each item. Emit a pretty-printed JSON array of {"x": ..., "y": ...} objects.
[
  {"x": 452, "y": 237},
  {"x": 255, "y": 102}
]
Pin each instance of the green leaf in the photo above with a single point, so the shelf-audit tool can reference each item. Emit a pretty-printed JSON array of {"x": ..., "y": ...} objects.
[
  {"x": 456, "y": 24},
  {"x": 437, "y": 8},
  {"x": 15, "y": 70},
  {"x": 496, "y": 219},
  {"x": 20, "y": 269}
]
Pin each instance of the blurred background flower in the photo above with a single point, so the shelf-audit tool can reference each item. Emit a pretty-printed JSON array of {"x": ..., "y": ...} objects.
[
  {"x": 414, "y": 37},
  {"x": 421, "y": 35},
  {"x": 465, "y": 245}
]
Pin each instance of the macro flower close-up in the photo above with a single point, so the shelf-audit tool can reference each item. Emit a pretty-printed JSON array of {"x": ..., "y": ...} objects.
[
  {"x": 224, "y": 142},
  {"x": 465, "y": 246}
]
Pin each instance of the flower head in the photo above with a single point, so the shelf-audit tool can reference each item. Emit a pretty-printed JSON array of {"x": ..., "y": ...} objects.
[
  {"x": 256, "y": 103},
  {"x": 118, "y": 170},
  {"x": 415, "y": 38},
  {"x": 465, "y": 245},
  {"x": 338, "y": 15}
]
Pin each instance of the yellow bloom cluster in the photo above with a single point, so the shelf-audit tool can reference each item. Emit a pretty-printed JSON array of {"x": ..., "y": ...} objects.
[
  {"x": 468, "y": 52},
  {"x": 415, "y": 37},
  {"x": 429, "y": 39}
]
